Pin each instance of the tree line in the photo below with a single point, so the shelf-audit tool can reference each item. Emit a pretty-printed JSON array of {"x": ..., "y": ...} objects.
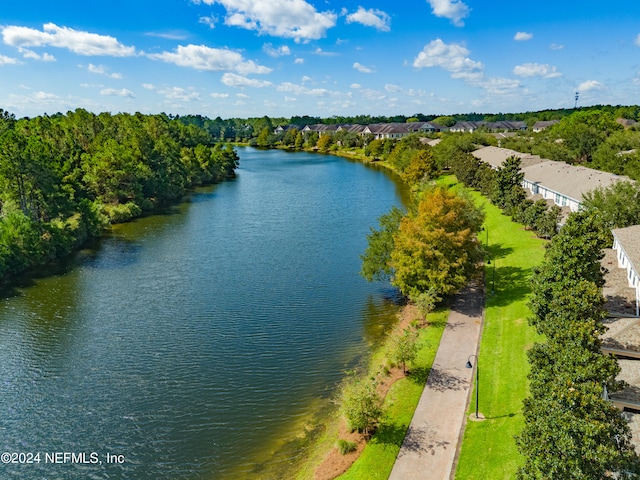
[
  {"x": 65, "y": 178},
  {"x": 571, "y": 429}
]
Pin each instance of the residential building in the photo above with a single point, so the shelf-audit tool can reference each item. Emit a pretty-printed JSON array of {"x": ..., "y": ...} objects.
[
  {"x": 543, "y": 124},
  {"x": 626, "y": 243}
]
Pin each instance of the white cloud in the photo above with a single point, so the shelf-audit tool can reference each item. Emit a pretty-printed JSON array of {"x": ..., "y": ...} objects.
[
  {"x": 590, "y": 85},
  {"x": 362, "y": 68},
  {"x": 45, "y": 57},
  {"x": 299, "y": 61},
  {"x": 371, "y": 18},
  {"x": 324, "y": 53},
  {"x": 242, "y": 95},
  {"x": 82, "y": 43},
  {"x": 638, "y": 40},
  {"x": 148, "y": 86},
  {"x": 233, "y": 80},
  {"x": 523, "y": 36},
  {"x": 177, "y": 93},
  {"x": 454, "y": 10},
  {"x": 302, "y": 90},
  {"x": 391, "y": 88},
  {"x": 556, "y": 46},
  {"x": 536, "y": 70},
  {"x": 168, "y": 35},
  {"x": 102, "y": 70},
  {"x": 202, "y": 57},
  {"x": 499, "y": 86},
  {"x": 276, "y": 52},
  {"x": 355, "y": 86},
  {"x": 295, "y": 19},
  {"x": 219, "y": 95},
  {"x": 117, "y": 93},
  {"x": 453, "y": 58},
  {"x": 4, "y": 60},
  {"x": 209, "y": 21}
]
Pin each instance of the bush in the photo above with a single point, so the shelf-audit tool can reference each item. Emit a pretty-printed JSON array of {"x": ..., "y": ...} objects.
[
  {"x": 361, "y": 405},
  {"x": 345, "y": 446}
]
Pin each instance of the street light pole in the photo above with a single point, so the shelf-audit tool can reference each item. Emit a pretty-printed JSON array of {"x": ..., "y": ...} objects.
[{"x": 470, "y": 365}]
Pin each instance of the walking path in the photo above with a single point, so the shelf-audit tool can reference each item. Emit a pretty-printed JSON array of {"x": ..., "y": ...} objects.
[{"x": 429, "y": 448}]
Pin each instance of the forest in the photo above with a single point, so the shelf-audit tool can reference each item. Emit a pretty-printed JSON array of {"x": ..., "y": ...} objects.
[{"x": 65, "y": 178}]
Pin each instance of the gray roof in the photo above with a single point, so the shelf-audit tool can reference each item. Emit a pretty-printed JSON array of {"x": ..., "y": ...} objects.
[
  {"x": 320, "y": 127},
  {"x": 495, "y": 156},
  {"x": 542, "y": 124},
  {"x": 569, "y": 180},
  {"x": 629, "y": 240}
]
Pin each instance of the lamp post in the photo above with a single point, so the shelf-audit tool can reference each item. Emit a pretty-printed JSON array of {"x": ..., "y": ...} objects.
[{"x": 470, "y": 365}]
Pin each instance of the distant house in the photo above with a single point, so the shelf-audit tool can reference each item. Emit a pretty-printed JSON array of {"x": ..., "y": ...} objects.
[
  {"x": 466, "y": 127},
  {"x": 505, "y": 126},
  {"x": 541, "y": 125},
  {"x": 400, "y": 130},
  {"x": 355, "y": 128},
  {"x": 626, "y": 243},
  {"x": 626, "y": 123},
  {"x": 284, "y": 128},
  {"x": 320, "y": 129}
]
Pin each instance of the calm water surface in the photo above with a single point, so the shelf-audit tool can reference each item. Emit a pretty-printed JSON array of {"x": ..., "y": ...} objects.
[{"x": 196, "y": 343}]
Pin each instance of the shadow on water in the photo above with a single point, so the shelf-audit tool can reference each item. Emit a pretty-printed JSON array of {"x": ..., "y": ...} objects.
[{"x": 380, "y": 315}]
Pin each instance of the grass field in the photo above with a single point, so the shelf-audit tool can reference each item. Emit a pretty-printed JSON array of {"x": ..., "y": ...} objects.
[{"x": 488, "y": 447}]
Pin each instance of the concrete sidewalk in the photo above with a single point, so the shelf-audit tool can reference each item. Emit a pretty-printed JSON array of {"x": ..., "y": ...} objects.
[{"x": 429, "y": 448}]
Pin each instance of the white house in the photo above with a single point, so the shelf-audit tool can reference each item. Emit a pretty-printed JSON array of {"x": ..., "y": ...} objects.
[
  {"x": 566, "y": 184},
  {"x": 626, "y": 243},
  {"x": 559, "y": 182}
]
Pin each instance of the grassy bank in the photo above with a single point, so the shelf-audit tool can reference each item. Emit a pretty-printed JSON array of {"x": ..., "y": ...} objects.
[
  {"x": 378, "y": 457},
  {"x": 488, "y": 448}
]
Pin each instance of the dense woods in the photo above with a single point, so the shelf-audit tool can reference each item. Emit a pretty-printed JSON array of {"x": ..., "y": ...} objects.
[{"x": 65, "y": 178}]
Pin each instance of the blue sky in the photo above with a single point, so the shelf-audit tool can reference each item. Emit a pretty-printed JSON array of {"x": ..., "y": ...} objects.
[{"x": 249, "y": 58}]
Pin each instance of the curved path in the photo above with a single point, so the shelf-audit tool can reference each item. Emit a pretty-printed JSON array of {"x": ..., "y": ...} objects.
[{"x": 430, "y": 446}]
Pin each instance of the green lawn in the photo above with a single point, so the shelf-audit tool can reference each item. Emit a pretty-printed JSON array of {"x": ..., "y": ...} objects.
[
  {"x": 488, "y": 448},
  {"x": 378, "y": 457}
]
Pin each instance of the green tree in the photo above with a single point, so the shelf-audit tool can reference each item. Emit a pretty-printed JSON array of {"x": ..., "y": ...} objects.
[
  {"x": 325, "y": 142},
  {"x": 422, "y": 166},
  {"x": 583, "y": 131},
  {"x": 508, "y": 191},
  {"x": 404, "y": 348},
  {"x": 377, "y": 257},
  {"x": 436, "y": 248},
  {"x": 266, "y": 138},
  {"x": 361, "y": 404},
  {"x": 618, "y": 205}
]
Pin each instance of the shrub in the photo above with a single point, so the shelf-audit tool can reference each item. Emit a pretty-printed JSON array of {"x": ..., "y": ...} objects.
[{"x": 345, "y": 446}]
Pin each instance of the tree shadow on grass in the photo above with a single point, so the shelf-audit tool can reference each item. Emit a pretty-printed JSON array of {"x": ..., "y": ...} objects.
[
  {"x": 498, "y": 251},
  {"x": 420, "y": 440},
  {"x": 508, "y": 284}
]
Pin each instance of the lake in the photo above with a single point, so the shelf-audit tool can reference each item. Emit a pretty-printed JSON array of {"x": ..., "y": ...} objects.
[{"x": 201, "y": 343}]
